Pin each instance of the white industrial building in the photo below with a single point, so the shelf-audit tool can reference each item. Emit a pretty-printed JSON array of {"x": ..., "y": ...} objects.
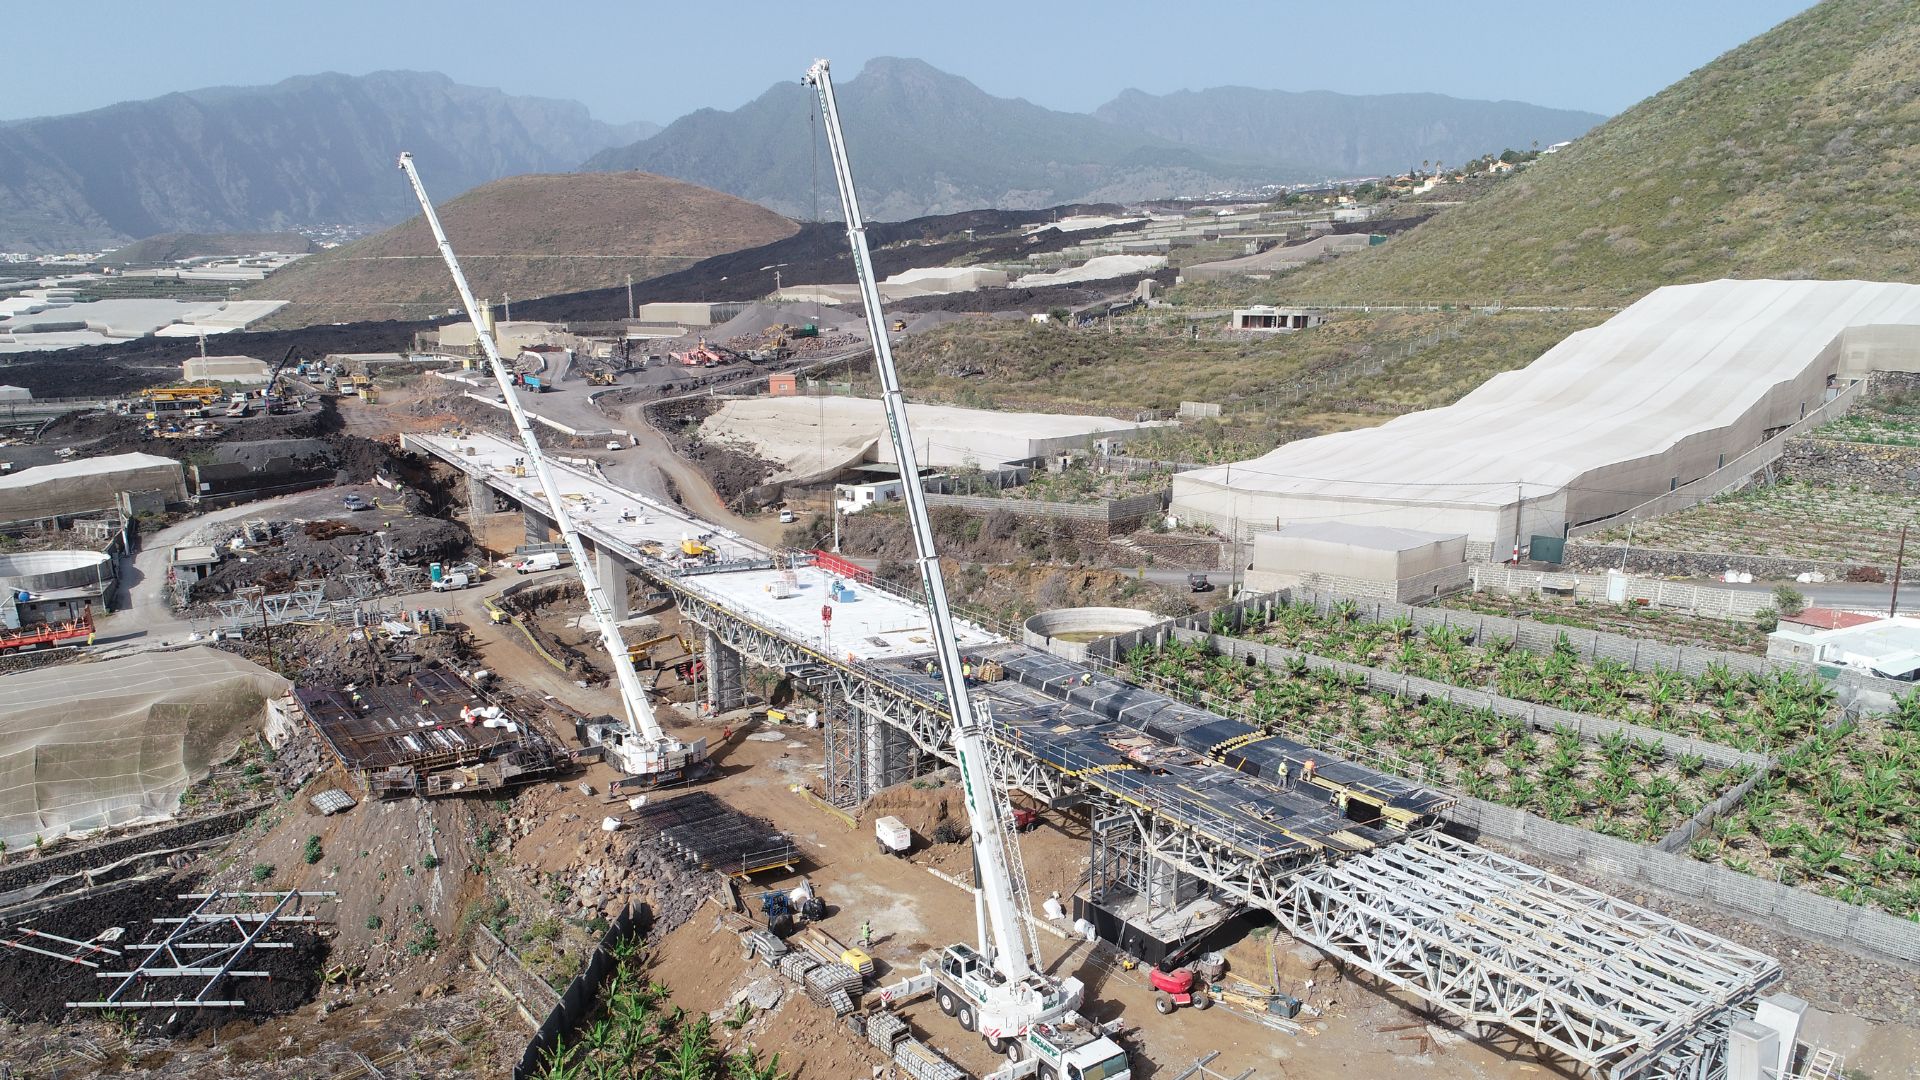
[
  {"x": 86, "y": 484},
  {"x": 1663, "y": 393},
  {"x": 1402, "y": 565},
  {"x": 1276, "y": 320},
  {"x": 1888, "y": 648},
  {"x": 233, "y": 369}
]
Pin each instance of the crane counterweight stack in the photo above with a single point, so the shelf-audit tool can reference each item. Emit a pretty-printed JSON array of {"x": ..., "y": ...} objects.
[
  {"x": 641, "y": 747},
  {"x": 996, "y": 991}
]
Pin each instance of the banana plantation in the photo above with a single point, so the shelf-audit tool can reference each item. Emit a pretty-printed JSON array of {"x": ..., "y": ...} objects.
[
  {"x": 1618, "y": 786},
  {"x": 1838, "y": 813},
  {"x": 634, "y": 1031},
  {"x": 1748, "y": 712}
]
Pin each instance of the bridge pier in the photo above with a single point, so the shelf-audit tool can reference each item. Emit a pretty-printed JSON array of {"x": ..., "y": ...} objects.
[
  {"x": 538, "y": 530},
  {"x": 726, "y": 689},
  {"x": 613, "y": 580},
  {"x": 890, "y": 757},
  {"x": 479, "y": 499}
]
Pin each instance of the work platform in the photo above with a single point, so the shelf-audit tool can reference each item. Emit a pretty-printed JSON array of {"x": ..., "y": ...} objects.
[
  {"x": 431, "y": 734},
  {"x": 1343, "y": 856}
]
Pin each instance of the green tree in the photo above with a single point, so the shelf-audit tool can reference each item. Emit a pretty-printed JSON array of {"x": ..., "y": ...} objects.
[{"x": 1789, "y": 600}]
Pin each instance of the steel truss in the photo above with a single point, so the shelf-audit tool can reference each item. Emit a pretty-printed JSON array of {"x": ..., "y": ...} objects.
[
  {"x": 188, "y": 953},
  {"x": 1619, "y": 990},
  {"x": 252, "y": 605},
  {"x": 1258, "y": 879}
]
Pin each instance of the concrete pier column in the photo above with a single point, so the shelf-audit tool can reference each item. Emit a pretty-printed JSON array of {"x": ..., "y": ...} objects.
[
  {"x": 726, "y": 689},
  {"x": 890, "y": 756},
  {"x": 613, "y": 581},
  {"x": 479, "y": 499},
  {"x": 538, "y": 531}
]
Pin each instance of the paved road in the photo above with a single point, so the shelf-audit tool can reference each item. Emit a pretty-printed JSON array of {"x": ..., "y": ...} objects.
[
  {"x": 1843, "y": 594},
  {"x": 145, "y": 617}
]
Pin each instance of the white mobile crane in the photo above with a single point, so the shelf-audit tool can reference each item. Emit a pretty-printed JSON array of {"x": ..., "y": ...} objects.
[
  {"x": 994, "y": 989},
  {"x": 640, "y": 747}
]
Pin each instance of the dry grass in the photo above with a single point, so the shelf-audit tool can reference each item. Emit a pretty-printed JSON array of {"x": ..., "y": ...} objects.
[{"x": 1791, "y": 156}]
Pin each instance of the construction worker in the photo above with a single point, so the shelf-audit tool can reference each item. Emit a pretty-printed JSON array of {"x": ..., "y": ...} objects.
[
  {"x": 866, "y": 934},
  {"x": 1306, "y": 771}
]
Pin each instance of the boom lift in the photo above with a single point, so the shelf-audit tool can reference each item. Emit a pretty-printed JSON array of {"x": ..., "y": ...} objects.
[
  {"x": 994, "y": 989},
  {"x": 640, "y": 748}
]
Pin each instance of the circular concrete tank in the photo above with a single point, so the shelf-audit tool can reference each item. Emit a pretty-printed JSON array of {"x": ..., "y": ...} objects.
[
  {"x": 1065, "y": 632},
  {"x": 45, "y": 571}
]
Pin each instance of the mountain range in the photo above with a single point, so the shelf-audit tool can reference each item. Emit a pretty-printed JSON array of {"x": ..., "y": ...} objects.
[
  {"x": 928, "y": 142},
  {"x": 318, "y": 149},
  {"x": 310, "y": 150}
]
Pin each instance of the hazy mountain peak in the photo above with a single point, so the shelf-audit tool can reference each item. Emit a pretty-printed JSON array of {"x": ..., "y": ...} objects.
[
  {"x": 932, "y": 142},
  {"x": 308, "y": 150}
]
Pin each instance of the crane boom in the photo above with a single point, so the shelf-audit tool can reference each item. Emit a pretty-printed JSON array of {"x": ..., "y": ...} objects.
[
  {"x": 640, "y": 718},
  {"x": 984, "y": 810}
]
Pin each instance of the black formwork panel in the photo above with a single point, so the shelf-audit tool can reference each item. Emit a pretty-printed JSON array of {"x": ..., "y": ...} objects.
[{"x": 1171, "y": 773}]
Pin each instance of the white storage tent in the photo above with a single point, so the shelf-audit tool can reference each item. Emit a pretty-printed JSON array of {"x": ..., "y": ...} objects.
[
  {"x": 1661, "y": 394},
  {"x": 86, "y": 746}
]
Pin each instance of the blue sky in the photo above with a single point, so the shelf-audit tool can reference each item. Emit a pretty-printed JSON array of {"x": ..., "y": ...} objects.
[{"x": 651, "y": 61}]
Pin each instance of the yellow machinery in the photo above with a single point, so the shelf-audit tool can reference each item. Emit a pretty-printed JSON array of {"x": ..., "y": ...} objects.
[
  {"x": 181, "y": 393},
  {"x": 601, "y": 377},
  {"x": 693, "y": 548},
  {"x": 642, "y": 651}
]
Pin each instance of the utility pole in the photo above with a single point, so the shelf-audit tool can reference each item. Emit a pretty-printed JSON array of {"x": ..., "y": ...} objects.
[
  {"x": 266, "y": 628},
  {"x": 1899, "y": 564},
  {"x": 629, "y": 296},
  {"x": 506, "y": 304}
]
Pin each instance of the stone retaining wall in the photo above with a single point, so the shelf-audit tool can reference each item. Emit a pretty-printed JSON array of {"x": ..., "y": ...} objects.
[
  {"x": 1893, "y": 470},
  {"x": 24, "y": 869},
  {"x": 1666, "y": 562}
]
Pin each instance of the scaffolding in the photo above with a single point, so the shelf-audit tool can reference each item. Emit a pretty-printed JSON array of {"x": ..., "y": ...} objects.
[
  {"x": 206, "y": 945},
  {"x": 844, "y": 780}
]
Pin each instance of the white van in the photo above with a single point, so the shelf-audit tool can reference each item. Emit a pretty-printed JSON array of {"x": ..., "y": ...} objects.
[{"x": 546, "y": 560}]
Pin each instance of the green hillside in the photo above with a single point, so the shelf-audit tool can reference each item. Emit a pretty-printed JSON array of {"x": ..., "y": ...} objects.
[{"x": 1791, "y": 156}]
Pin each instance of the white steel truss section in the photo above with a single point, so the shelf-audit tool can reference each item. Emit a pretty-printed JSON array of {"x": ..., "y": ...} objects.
[{"x": 1614, "y": 987}]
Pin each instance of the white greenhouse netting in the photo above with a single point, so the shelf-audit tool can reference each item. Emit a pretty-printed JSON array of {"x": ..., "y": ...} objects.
[{"x": 85, "y": 746}]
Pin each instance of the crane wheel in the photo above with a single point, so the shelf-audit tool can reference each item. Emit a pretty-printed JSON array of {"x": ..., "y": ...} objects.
[
  {"x": 996, "y": 1046},
  {"x": 1016, "y": 1050},
  {"x": 944, "y": 999},
  {"x": 965, "y": 1015},
  {"x": 1162, "y": 1004}
]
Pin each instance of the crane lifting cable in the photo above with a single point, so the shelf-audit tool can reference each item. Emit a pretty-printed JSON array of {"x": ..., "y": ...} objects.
[{"x": 641, "y": 748}]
